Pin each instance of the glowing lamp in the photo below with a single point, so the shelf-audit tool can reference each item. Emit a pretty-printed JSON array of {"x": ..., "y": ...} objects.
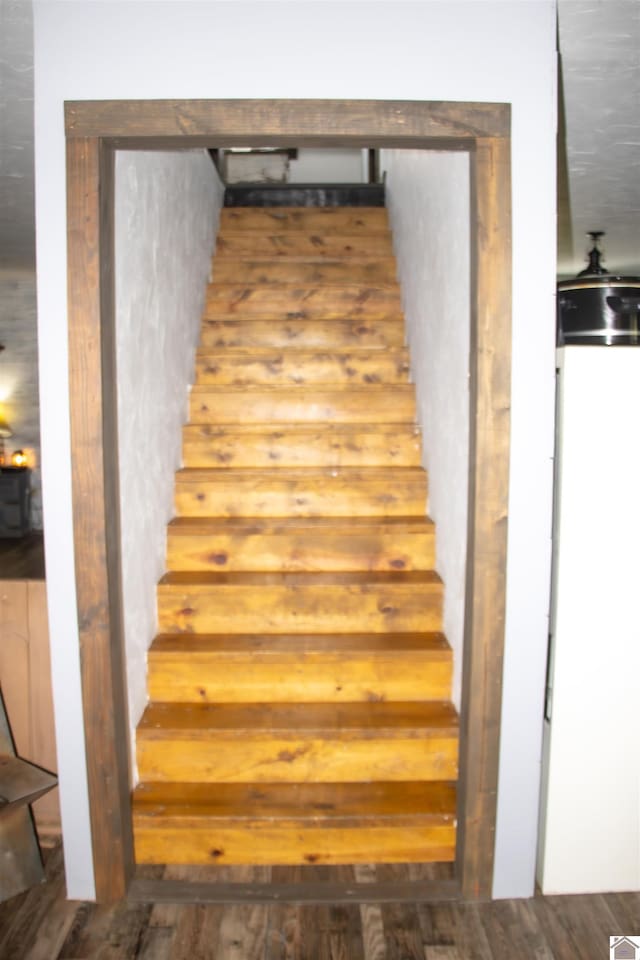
[
  {"x": 19, "y": 458},
  {"x": 5, "y": 431}
]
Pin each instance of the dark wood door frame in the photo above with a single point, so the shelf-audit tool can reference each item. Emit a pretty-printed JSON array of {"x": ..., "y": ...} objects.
[{"x": 94, "y": 130}]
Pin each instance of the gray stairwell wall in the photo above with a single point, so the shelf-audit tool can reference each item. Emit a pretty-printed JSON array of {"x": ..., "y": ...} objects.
[
  {"x": 167, "y": 209},
  {"x": 428, "y": 200}
]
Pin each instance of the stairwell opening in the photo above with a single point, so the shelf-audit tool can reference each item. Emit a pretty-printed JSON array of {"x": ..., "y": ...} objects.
[{"x": 487, "y": 202}]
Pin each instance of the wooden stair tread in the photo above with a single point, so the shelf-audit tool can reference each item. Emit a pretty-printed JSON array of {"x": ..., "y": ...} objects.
[
  {"x": 273, "y": 428},
  {"x": 343, "y": 721},
  {"x": 294, "y": 367},
  {"x": 249, "y": 526},
  {"x": 315, "y": 403},
  {"x": 205, "y": 578},
  {"x": 305, "y": 474},
  {"x": 303, "y": 300},
  {"x": 327, "y": 219},
  {"x": 311, "y": 391},
  {"x": 375, "y": 271},
  {"x": 301, "y": 802},
  {"x": 229, "y": 330},
  {"x": 432, "y": 644},
  {"x": 302, "y": 353},
  {"x": 362, "y": 292},
  {"x": 302, "y": 244}
]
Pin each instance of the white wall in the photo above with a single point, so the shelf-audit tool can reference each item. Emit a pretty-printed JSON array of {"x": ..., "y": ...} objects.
[
  {"x": 428, "y": 200},
  {"x": 166, "y": 212},
  {"x": 591, "y": 813},
  {"x": 404, "y": 50},
  {"x": 333, "y": 165}
]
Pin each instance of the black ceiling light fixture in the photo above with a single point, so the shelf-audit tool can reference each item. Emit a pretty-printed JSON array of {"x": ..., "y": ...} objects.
[{"x": 598, "y": 308}]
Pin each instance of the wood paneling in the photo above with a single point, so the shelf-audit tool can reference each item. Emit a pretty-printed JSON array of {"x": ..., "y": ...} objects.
[
  {"x": 162, "y": 124},
  {"x": 25, "y": 678}
]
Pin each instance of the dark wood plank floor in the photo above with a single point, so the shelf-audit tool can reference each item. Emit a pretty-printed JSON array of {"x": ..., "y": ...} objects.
[
  {"x": 22, "y": 558},
  {"x": 42, "y": 925}
]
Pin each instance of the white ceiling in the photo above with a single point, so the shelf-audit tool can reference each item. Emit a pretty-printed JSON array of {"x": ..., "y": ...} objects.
[
  {"x": 599, "y": 142},
  {"x": 600, "y": 76}
]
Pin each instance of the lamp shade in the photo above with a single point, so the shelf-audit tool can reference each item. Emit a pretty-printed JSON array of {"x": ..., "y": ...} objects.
[{"x": 5, "y": 429}]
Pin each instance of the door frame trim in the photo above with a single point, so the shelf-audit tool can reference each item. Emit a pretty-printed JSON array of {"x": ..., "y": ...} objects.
[{"x": 94, "y": 130}]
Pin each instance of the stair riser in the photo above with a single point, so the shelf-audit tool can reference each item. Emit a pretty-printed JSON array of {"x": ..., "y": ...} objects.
[
  {"x": 314, "y": 220},
  {"x": 395, "y": 405},
  {"x": 279, "y": 368},
  {"x": 301, "y": 302},
  {"x": 308, "y": 608},
  {"x": 210, "y": 678},
  {"x": 201, "y": 843},
  {"x": 372, "y": 334},
  {"x": 296, "y": 759},
  {"x": 307, "y": 551},
  {"x": 373, "y": 272},
  {"x": 224, "y": 448},
  {"x": 298, "y": 243},
  {"x": 317, "y": 497}
]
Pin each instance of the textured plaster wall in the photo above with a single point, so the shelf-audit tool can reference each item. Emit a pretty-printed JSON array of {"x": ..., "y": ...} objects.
[
  {"x": 167, "y": 207},
  {"x": 428, "y": 199},
  {"x": 17, "y": 219},
  {"x": 19, "y": 373}
]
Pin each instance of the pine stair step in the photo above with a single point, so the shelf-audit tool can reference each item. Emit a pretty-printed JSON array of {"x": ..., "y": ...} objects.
[
  {"x": 325, "y": 403},
  {"x": 263, "y": 824},
  {"x": 303, "y": 301},
  {"x": 312, "y": 219},
  {"x": 300, "y": 445},
  {"x": 300, "y": 544},
  {"x": 209, "y": 668},
  {"x": 295, "y": 366},
  {"x": 376, "y": 272},
  {"x": 302, "y": 244},
  {"x": 380, "y": 333},
  {"x": 376, "y": 602},
  {"x": 298, "y": 743},
  {"x": 301, "y": 492}
]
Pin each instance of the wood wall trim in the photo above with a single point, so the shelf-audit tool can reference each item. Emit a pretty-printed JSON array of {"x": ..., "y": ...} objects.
[
  {"x": 488, "y": 511},
  {"x": 398, "y": 891},
  {"x": 394, "y": 120},
  {"x": 90, "y": 191},
  {"x": 93, "y": 130}
]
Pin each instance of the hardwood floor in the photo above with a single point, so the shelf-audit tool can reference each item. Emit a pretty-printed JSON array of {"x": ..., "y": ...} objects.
[
  {"x": 22, "y": 558},
  {"x": 42, "y": 925}
]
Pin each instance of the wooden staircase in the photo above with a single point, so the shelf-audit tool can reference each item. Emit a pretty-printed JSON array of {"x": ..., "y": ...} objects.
[{"x": 300, "y": 686}]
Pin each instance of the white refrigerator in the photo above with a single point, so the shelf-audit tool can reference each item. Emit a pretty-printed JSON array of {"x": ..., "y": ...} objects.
[{"x": 590, "y": 803}]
